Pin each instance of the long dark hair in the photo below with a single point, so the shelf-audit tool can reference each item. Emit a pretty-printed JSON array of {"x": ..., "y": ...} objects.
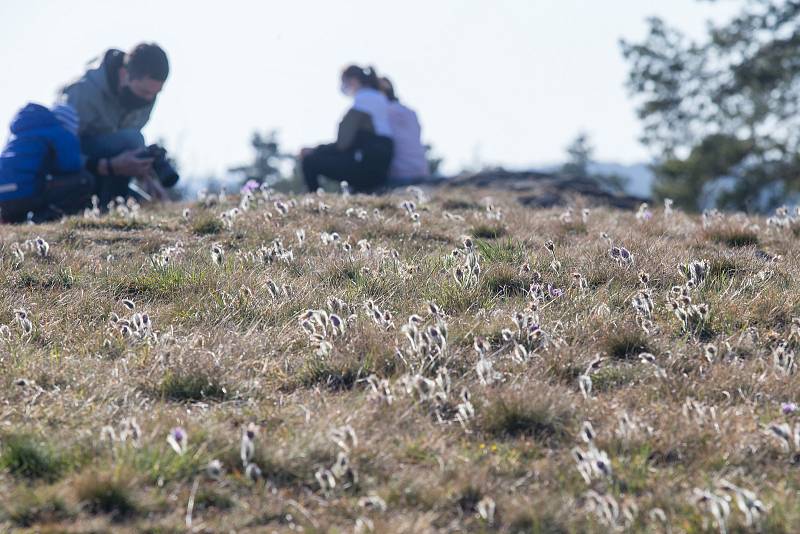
[
  {"x": 387, "y": 87},
  {"x": 365, "y": 75}
]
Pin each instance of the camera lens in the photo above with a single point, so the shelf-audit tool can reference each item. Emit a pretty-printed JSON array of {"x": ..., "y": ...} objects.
[{"x": 166, "y": 174}]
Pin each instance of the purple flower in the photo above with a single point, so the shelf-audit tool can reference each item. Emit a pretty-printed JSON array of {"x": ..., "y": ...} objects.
[
  {"x": 250, "y": 186},
  {"x": 178, "y": 433},
  {"x": 554, "y": 291},
  {"x": 788, "y": 408},
  {"x": 178, "y": 439}
]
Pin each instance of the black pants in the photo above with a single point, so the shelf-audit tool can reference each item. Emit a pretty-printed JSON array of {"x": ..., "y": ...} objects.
[
  {"x": 59, "y": 195},
  {"x": 364, "y": 166}
]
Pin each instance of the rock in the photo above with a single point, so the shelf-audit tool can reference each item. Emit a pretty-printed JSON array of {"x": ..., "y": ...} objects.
[{"x": 542, "y": 190}]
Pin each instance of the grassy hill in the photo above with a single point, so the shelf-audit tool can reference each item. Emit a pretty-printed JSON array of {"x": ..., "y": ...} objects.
[{"x": 399, "y": 364}]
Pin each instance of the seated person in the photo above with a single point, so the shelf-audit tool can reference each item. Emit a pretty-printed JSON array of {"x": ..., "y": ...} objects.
[
  {"x": 409, "y": 161},
  {"x": 114, "y": 100},
  {"x": 40, "y": 167},
  {"x": 363, "y": 149}
]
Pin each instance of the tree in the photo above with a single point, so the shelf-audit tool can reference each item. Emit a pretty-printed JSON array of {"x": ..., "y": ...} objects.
[
  {"x": 267, "y": 160},
  {"x": 434, "y": 159},
  {"x": 579, "y": 160},
  {"x": 725, "y": 106},
  {"x": 579, "y": 154}
]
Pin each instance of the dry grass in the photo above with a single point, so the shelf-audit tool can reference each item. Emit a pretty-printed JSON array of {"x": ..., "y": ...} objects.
[{"x": 469, "y": 417}]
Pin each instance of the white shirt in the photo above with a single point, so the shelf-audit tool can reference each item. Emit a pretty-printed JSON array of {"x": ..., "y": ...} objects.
[
  {"x": 376, "y": 105},
  {"x": 409, "y": 159}
]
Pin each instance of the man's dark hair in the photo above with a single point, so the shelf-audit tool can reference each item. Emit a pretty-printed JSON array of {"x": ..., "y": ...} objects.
[{"x": 147, "y": 60}]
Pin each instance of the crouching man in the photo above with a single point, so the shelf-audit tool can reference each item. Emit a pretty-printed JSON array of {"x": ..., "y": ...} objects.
[
  {"x": 114, "y": 100},
  {"x": 41, "y": 175}
]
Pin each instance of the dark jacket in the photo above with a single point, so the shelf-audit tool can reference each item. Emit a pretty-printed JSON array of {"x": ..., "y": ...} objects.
[
  {"x": 94, "y": 97},
  {"x": 39, "y": 145}
]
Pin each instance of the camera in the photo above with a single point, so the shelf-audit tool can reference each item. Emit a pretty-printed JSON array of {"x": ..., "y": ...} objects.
[{"x": 162, "y": 166}]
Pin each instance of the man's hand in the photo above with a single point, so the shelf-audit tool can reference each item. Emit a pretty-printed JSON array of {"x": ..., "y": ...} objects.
[
  {"x": 154, "y": 188},
  {"x": 129, "y": 164}
]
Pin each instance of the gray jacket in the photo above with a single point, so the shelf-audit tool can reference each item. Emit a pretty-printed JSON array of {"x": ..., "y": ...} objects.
[{"x": 94, "y": 97}]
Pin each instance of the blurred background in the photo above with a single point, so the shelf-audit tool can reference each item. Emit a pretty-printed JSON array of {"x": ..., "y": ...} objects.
[{"x": 518, "y": 84}]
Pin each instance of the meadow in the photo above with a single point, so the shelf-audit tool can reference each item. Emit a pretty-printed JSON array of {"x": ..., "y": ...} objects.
[{"x": 440, "y": 361}]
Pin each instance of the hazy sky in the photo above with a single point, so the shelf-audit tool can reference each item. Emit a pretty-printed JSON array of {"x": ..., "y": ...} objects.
[{"x": 509, "y": 82}]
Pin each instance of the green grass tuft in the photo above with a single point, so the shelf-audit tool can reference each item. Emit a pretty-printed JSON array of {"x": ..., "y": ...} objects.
[
  {"x": 506, "y": 251},
  {"x": 459, "y": 204},
  {"x": 30, "y": 507},
  {"x": 208, "y": 498},
  {"x": 626, "y": 344},
  {"x": 207, "y": 225},
  {"x": 609, "y": 378},
  {"x": 104, "y": 493},
  {"x": 26, "y": 457},
  {"x": 488, "y": 231},
  {"x": 334, "y": 375},
  {"x": 505, "y": 281},
  {"x": 511, "y": 416},
  {"x": 107, "y": 223},
  {"x": 163, "y": 282},
  {"x": 733, "y": 237},
  {"x": 190, "y": 385},
  {"x": 62, "y": 279}
]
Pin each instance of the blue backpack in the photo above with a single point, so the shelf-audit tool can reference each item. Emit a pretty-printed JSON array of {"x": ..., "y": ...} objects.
[{"x": 39, "y": 145}]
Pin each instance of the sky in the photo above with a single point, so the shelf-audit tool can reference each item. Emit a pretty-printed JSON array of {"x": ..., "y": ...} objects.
[{"x": 504, "y": 82}]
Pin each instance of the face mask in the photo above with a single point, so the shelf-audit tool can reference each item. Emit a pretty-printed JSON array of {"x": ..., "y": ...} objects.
[{"x": 130, "y": 100}]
